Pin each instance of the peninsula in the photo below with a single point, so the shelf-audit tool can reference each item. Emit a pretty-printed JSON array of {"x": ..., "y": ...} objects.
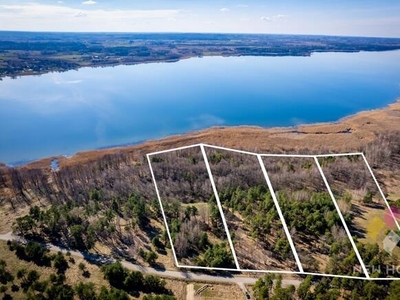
[{"x": 30, "y": 53}]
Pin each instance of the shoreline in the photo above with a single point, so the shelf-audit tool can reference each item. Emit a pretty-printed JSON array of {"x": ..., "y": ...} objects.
[
  {"x": 185, "y": 46},
  {"x": 362, "y": 127},
  {"x": 173, "y": 60}
]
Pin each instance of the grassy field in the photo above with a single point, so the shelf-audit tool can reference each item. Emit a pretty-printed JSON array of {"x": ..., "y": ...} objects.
[
  {"x": 73, "y": 274},
  {"x": 218, "y": 291}
]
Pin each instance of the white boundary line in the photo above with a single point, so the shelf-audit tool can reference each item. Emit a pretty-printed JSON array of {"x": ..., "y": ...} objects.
[
  {"x": 282, "y": 272},
  {"x": 380, "y": 190},
  {"x": 342, "y": 219},
  {"x": 338, "y": 154},
  {"x": 259, "y": 156},
  {"x": 308, "y": 155},
  {"x": 287, "y": 155},
  {"x": 208, "y": 268},
  {"x": 310, "y": 273},
  {"x": 231, "y": 150},
  {"x": 336, "y": 276},
  {"x": 278, "y": 208},
  {"x": 273, "y": 271},
  {"x": 175, "y": 149},
  {"x": 385, "y": 279},
  {"x": 162, "y": 211},
  {"x": 219, "y": 205},
  {"x": 253, "y": 153}
]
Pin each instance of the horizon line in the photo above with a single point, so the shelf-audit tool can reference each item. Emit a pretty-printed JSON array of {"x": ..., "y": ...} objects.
[{"x": 198, "y": 32}]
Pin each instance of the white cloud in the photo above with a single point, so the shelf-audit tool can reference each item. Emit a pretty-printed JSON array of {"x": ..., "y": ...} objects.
[
  {"x": 34, "y": 10},
  {"x": 279, "y": 16},
  {"x": 224, "y": 9},
  {"x": 35, "y": 16},
  {"x": 80, "y": 15},
  {"x": 274, "y": 18},
  {"x": 60, "y": 2},
  {"x": 31, "y": 15},
  {"x": 41, "y": 10},
  {"x": 89, "y": 2}
]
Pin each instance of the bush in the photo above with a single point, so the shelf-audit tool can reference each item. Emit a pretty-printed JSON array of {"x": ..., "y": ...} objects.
[
  {"x": 151, "y": 257},
  {"x": 115, "y": 273},
  {"x": 86, "y": 291},
  {"x": 60, "y": 263}
]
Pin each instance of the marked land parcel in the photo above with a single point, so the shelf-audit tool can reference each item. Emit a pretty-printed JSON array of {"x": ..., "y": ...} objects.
[
  {"x": 259, "y": 238},
  {"x": 193, "y": 218},
  {"x": 274, "y": 213}
]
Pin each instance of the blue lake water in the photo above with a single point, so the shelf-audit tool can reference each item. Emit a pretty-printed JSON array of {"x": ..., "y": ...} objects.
[{"x": 62, "y": 113}]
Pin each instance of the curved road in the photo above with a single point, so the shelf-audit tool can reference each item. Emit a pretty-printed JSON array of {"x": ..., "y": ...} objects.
[{"x": 241, "y": 280}]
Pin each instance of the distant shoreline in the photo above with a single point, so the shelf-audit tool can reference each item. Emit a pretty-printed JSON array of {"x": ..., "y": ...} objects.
[{"x": 45, "y": 52}]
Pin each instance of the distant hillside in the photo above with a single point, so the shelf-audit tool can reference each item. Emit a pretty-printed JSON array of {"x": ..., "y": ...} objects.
[{"x": 27, "y": 53}]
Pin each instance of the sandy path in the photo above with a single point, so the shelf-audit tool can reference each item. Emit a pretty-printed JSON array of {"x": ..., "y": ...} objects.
[{"x": 190, "y": 292}]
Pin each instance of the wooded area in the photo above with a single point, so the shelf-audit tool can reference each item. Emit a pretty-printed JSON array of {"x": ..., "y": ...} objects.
[
  {"x": 111, "y": 201},
  {"x": 27, "y": 53},
  {"x": 193, "y": 218}
]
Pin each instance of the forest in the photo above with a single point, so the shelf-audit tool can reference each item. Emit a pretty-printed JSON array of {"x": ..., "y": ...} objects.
[
  {"x": 111, "y": 202},
  {"x": 312, "y": 288},
  {"x": 27, "y": 53}
]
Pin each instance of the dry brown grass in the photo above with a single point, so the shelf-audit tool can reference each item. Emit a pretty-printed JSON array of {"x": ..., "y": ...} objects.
[
  {"x": 165, "y": 260},
  {"x": 73, "y": 274},
  {"x": 317, "y": 137},
  {"x": 391, "y": 180},
  {"x": 8, "y": 217},
  {"x": 252, "y": 255},
  {"x": 178, "y": 288},
  {"x": 220, "y": 292},
  {"x": 14, "y": 264}
]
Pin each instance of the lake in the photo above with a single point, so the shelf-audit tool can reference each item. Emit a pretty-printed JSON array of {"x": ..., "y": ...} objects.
[{"x": 62, "y": 113}]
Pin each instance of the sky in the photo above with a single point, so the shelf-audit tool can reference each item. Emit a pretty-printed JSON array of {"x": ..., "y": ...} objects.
[{"x": 328, "y": 17}]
